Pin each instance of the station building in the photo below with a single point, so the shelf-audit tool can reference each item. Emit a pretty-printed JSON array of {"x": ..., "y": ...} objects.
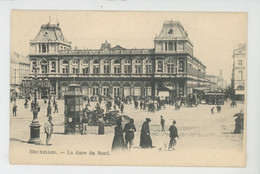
[{"x": 168, "y": 70}]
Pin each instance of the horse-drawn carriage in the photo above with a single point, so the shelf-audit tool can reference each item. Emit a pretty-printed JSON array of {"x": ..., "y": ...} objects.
[
  {"x": 97, "y": 116},
  {"x": 215, "y": 98}
]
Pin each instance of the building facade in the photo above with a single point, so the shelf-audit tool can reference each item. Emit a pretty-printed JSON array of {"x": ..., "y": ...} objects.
[
  {"x": 239, "y": 71},
  {"x": 19, "y": 69},
  {"x": 168, "y": 69}
]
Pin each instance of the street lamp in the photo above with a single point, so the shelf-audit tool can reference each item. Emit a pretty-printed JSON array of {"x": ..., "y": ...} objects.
[
  {"x": 49, "y": 102},
  {"x": 35, "y": 125}
]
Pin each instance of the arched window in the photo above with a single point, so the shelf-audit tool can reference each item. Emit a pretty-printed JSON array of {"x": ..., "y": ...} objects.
[
  {"x": 117, "y": 66},
  {"x": 240, "y": 87},
  {"x": 75, "y": 67},
  {"x": 159, "y": 66},
  {"x": 44, "y": 66},
  {"x": 148, "y": 66},
  {"x": 95, "y": 66},
  {"x": 85, "y": 67},
  {"x": 170, "y": 66},
  {"x": 138, "y": 66},
  {"x": 106, "y": 67},
  {"x": 65, "y": 67},
  {"x": 127, "y": 66}
]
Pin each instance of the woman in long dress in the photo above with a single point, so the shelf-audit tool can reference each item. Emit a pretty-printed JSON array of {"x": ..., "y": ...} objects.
[
  {"x": 118, "y": 141},
  {"x": 146, "y": 141}
]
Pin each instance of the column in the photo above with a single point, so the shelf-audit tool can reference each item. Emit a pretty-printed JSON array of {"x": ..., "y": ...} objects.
[
  {"x": 177, "y": 88},
  {"x": 57, "y": 89},
  {"x": 79, "y": 66}
]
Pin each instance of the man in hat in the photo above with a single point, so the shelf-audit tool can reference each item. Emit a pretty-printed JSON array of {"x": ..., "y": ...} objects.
[
  {"x": 48, "y": 127},
  {"x": 173, "y": 135},
  {"x": 129, "y": 130},
  {"x": 146, "y": 141}
]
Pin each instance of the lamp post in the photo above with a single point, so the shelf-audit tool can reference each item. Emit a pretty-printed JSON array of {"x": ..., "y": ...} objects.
[
  {"x": 146, "y": 92},
  {"x": 35, "y": 125},
  {"x": 49, "y": 102}
]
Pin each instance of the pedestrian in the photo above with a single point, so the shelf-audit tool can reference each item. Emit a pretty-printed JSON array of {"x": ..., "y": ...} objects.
[
  {"x": 146, "y": 141},
  {"x": 14, "y": 110},
  {"x": 173, "y": 135},
  {"x": 237, "y": 126},
  {"x": 129, "y": 130},
  {"x": 48, "y": 127},
  {"x": 162, "y": 123},
  {"x": 56, "y": 108},
  {"x": 212, "y": 110},
  {"x": 218, "y": 108},
  {"x": 122, "y": 108},
  {"x": 84, "y": 125},
  {"x": 118, "y": 140},
  {"x": 141, "y": 104},
  {"x": 54, "y": 102},
  {"x": 101, "y": 129}
]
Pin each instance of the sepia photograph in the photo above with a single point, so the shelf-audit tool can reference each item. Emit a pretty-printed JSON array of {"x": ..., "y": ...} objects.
[{"x": 121, "y": 88}]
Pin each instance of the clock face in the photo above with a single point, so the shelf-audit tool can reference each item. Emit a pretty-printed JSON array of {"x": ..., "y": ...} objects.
[{"x": 105, "y": 49}]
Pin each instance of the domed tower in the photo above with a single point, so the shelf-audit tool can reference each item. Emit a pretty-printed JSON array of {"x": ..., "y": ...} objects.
[
  {"x": 44, "y": 53},
  {"x": 49, "y": 40},
  {"x": 172, "y": 39}
]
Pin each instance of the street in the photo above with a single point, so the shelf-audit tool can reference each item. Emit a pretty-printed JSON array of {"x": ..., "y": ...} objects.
[{"x": 202, "y": 135}]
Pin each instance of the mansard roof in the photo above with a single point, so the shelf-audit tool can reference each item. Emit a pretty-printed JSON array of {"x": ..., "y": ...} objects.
[
  {"x": 172, "y": 29},
  {"x": 49, "y": 33}
]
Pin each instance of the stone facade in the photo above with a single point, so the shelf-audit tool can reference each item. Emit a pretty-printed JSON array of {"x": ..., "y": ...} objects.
[{"x": 117, "y": 71}]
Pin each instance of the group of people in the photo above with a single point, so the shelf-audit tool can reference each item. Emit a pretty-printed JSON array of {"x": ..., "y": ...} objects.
[
  {"x": 218, "y": 107},
  {"x": 119, "y": 143}
]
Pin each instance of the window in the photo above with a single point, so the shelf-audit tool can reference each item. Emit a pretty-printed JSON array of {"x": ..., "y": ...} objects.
[
  {"x": 44, "y": 66},
  {"x": 116, "y": 91},
  {"x": 181, "y": 69},
  {"x": 170, "y": 31},
  {"x": 85, "y": 70},
  {"x": 95, "y": 67},
  {"x": 159, "y": 66},
  {"x": 117, "y": 66},
  {"x": 65, "y": 67},
  {"x": 75, "y": 70},
  {"x": 166, "y": 45},
  {"x": 34, "y": 65},
  {"x": 127, "y": 66},
  {"x": 240, "y": 62},
  {"x": 105, "y": 90},
  {"x": 106, "y": 67},
  {"x": 138, "y": 67},
  {"x": 148, "y": 67},
  {"x": 240, "y": 75},
  {"x": 44, "y": 48},
  {"x": 175, "y": 46},
  {"x": 170, "y": 46},
  {"x": 95, "y": 90},
  {"x": 53, "y": 66},
  {"x": 40, "y": 48},
  {"x": 85, "y": 67},
  {"x": 170, "y": 66}
]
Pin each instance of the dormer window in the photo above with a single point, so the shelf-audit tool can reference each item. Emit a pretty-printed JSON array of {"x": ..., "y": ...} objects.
[{"x": 170, "y": 31}]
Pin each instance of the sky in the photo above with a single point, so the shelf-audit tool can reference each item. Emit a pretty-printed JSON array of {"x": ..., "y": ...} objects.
[{"x": 214, "y": 35}]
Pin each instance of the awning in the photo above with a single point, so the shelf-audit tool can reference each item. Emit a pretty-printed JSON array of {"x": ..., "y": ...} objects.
[{"x": 201, "y": 89}]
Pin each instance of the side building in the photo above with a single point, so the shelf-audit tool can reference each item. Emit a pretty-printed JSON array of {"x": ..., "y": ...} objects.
[
  {"x": 168, "y": 70},
  {"x": 239, "y": 72},
  {"x": 19, "y": 70}
]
